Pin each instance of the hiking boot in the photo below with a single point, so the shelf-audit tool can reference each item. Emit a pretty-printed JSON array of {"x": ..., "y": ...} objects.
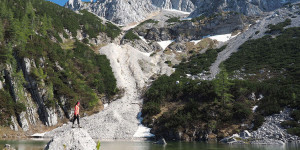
[
  {"x": 79, "y": 126},
  {"x": 73, "y": 126}
]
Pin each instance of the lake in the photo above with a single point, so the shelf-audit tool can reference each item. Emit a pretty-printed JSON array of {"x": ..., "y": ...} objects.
[{"x": 146, "y": 145}]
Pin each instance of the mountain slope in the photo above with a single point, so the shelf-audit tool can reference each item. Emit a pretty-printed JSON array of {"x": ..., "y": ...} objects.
[
  {"x": 246, "y": 7},
  {"x": 44, "y": 70}
]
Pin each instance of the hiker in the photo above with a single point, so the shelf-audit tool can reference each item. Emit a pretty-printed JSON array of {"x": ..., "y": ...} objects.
[{"x": 76, "y": 114}]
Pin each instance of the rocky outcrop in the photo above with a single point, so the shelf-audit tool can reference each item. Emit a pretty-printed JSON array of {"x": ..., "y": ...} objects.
[
  {"x": 262, "y": 25},
  {"x": 270, "y": 133},
  {"x": 72, "y": 139},
  {"x": 183, "y": 5},
  {"x": 38, "y": 93},
  {"x": 118, "y": 11},
  {"x": 246, "y": 7}
]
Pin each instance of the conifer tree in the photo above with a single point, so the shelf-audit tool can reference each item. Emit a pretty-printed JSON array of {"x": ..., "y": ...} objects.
[{"x": 222, "y": 85}]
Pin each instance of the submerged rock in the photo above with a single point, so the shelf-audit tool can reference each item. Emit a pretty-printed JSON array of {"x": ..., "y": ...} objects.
[
  {"x": 8, "y": 147},
  {"x": 73, "y": 139},
  {"x": 161, "y": 141}
]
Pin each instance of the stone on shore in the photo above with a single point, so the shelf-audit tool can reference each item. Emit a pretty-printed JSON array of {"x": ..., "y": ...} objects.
[{"x": 72, "y": 139}]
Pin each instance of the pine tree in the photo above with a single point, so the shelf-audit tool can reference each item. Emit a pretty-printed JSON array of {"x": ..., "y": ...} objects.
[
  {"x": 31, "y": 16},
  {"x": 222, "y": 85},
  {"x": 44, "y": 25},
  {"x": 1, "y": 31}
]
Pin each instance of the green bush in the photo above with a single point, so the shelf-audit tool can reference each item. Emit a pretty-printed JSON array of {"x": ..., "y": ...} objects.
[
  {"x": 296, "y": 115},
  {"x": 241, "y": 111},
  {"x": 19, "y": 107},
  {"x": 294, "y": 131},
  {"x": 279, "y": 27},
  {"x": 151, "y": 108},
  {"x": 258, "y": 121},
  {"x": 173, "y": 19},
  {"x": 198, "y": 18},
  {"x": 131, "y": 36}
]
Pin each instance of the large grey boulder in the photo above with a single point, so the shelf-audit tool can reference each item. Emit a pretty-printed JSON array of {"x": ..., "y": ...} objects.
[{"x": 72, "y": 139}]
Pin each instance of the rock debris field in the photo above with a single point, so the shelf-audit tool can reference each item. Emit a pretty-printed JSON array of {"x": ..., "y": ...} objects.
[{"x": 119, "y": 120}]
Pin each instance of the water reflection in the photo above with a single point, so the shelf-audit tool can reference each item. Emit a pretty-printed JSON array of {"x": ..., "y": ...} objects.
[{"x": 146, "y": 145}]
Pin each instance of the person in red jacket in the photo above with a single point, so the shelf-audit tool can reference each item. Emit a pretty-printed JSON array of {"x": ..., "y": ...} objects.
[{"x": 76, "y": 114}]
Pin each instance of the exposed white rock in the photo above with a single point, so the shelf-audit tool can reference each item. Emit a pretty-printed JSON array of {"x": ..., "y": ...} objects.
[
  {"x": 183, "y": 5},
  {"x": 254, "y": 108},
  {"x": 1, "y": 85},
  {"x": 14, "y": 125},
  {"x": 72, "y": 139},
  {"x": 23, "y": 121},
  {"x": 52, "y": 116},
  {"x": 119, "y": 120},
  {"x": 118, "y": 11}
]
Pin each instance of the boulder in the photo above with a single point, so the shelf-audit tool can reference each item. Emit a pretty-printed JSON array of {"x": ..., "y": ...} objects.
[
  {"x": 245, "y": 134},
  {"x": 8, "y": 147},
  {"x": 73, "y": 139},
  {"x": 161, "y": 141}
]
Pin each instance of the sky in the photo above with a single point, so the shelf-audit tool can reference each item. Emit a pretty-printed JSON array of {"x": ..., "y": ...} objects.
[{"x": 62, "y": 2}]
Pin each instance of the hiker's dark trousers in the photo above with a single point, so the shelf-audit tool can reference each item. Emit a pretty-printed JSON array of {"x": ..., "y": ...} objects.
[{"x": 76, "y": 117}]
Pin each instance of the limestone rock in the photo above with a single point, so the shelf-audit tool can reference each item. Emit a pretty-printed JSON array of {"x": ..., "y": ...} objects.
[
  {"x": 245, "y": 134},
  {"x": 72, "y": 139},
  {"x": 23, "y": 121},
  {"x": 183, "y": 5},
  {"x": 118, "y": 11},
  {"x": 14, "y": 125},
  {"x": 247, "y": 7}
]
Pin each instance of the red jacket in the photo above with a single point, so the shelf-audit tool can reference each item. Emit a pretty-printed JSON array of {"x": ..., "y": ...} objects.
[{"x": 76, "y": 112}]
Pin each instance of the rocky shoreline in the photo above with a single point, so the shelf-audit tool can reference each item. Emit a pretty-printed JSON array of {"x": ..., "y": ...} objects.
[{"x": 270, "y": 133}]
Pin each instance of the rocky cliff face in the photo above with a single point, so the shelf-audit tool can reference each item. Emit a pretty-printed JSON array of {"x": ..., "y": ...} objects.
[
  {"x": 125, "y": 12},
  {"x": 118, "y": 11},
  {"x": 247, "y": 7},
  {"x": 183, "y": 5}
]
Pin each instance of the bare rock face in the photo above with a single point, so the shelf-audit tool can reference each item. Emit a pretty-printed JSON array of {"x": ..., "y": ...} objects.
[
  {"x": 118, "y": 11},
  {"x": 72, "y": 139},
  {"x": 246, "y": 7},
  {"x": 183, "y": 5}
]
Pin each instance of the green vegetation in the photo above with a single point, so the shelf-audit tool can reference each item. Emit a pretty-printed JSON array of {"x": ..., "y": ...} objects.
[
  {"x": 30, "y": 29},
  {"x": 199, "y": 62},
  {"x": 279, "y": 27},
  {"x": 66, "y": 19},
  {"x": 148, "y": 21},
  {"x": 98, "y": 145},
  {"x": 270, "y": 68},
  {"x": 173, "y": 19},
  {"x": 131, "y": 36},
  {"x": 198, "y": 18}
]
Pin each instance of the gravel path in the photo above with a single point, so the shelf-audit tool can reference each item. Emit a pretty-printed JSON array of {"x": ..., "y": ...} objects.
[{"x": 271, "y": 18}]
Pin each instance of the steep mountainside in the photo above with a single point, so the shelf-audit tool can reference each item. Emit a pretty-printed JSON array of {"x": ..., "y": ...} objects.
[
  {"x": 258, "y": 77},
  {"x": 124, "y": 12},
  {"x": 118, "y": 11},
  {"x": 183, "y": 5},
  {"x": 246, "y": 7},
  {"x": 45, "y": 69}
]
